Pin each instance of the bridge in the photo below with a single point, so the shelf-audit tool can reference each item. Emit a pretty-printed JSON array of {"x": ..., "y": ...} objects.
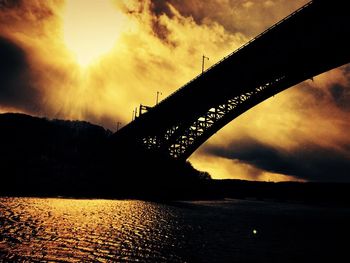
[{"x": 310, "y": 41}]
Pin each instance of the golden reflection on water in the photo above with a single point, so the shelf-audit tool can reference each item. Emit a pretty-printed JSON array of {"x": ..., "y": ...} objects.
[
  {"x": 66, "y": 230},
  {"x": 84, "y": 230}
]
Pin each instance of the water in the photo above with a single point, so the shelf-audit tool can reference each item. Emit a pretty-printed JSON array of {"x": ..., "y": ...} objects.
[{"x": 68, "y": 230}]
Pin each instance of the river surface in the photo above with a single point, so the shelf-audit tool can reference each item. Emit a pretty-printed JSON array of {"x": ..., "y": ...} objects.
[{"x": 71, "y": 230}]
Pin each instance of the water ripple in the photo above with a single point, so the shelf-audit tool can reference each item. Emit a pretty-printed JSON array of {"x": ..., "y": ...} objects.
[
  {"x": 64, "y": 230},
  {"x": 69, "y": 230}
]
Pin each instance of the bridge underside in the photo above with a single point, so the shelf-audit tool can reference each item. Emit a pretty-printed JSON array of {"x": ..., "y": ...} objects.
[{"x": 312, "y": 40}]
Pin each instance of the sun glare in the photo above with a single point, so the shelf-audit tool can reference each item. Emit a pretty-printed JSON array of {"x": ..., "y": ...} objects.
[{"x": 91, "y": 29}]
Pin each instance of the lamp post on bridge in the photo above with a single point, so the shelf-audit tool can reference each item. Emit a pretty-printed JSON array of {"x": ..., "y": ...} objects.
[
  {"x": 134, "y": 114},
  {"x": 118, "y": 124},
  {"x": 158, "y": 92},
  {"x": 203, "y": 58}
]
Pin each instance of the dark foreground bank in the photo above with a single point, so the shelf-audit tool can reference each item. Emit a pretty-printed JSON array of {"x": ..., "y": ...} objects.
[{"x": 40, "y": 157}]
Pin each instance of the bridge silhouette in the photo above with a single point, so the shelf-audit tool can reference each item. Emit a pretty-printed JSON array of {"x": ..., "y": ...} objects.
[{"x": 310, "y": 41}]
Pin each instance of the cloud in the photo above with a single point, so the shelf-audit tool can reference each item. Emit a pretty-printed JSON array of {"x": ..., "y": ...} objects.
[
  {"x": 16, "y": 85},
  {"x": 226, "y": 168},
  {"x": 247, "y": 17},
  {"x": 309, "y": 162},
  {"x": 153, "y": 53}
]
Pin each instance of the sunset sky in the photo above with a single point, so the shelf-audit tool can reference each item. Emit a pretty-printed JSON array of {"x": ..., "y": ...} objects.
[{"x": 96, "y": 60}]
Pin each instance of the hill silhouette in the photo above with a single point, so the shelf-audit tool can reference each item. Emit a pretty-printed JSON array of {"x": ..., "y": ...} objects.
[{"x": 46, "y": 157}]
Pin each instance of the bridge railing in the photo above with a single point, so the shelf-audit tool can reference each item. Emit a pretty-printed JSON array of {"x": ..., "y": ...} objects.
[{"x": 237, "y": 50}]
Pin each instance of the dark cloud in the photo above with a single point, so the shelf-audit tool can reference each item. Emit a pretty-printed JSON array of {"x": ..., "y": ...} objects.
[
  {"x": 16, "y": 85},
  {"x": 159, "y": 7},
  {"x": 24, "y": 15},
  {"x": 310, "y": 162},
  {"x": 341, "y": 96},
  {"x": 156, "y": 8},
  {"x": 161, "y": 31},
  {"x": 9, "y": 3},
  {"x": 332, "y": 92}
]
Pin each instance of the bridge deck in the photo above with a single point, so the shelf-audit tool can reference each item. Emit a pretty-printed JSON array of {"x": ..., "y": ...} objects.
[{"x": 312, "y": 40}]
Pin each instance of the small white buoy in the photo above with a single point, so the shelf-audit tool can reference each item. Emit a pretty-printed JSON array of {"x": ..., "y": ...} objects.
[{"x": 255, "y": 231}]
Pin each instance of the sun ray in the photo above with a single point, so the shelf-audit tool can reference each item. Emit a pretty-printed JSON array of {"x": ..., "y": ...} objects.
[{"x": 91, "y": 29}]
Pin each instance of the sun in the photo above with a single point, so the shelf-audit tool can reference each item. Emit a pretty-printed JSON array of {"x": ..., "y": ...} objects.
[{"x": 91, "y": 29}]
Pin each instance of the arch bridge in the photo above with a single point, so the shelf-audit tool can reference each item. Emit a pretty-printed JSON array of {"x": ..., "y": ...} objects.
[{"x": 310, "y": 41}]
